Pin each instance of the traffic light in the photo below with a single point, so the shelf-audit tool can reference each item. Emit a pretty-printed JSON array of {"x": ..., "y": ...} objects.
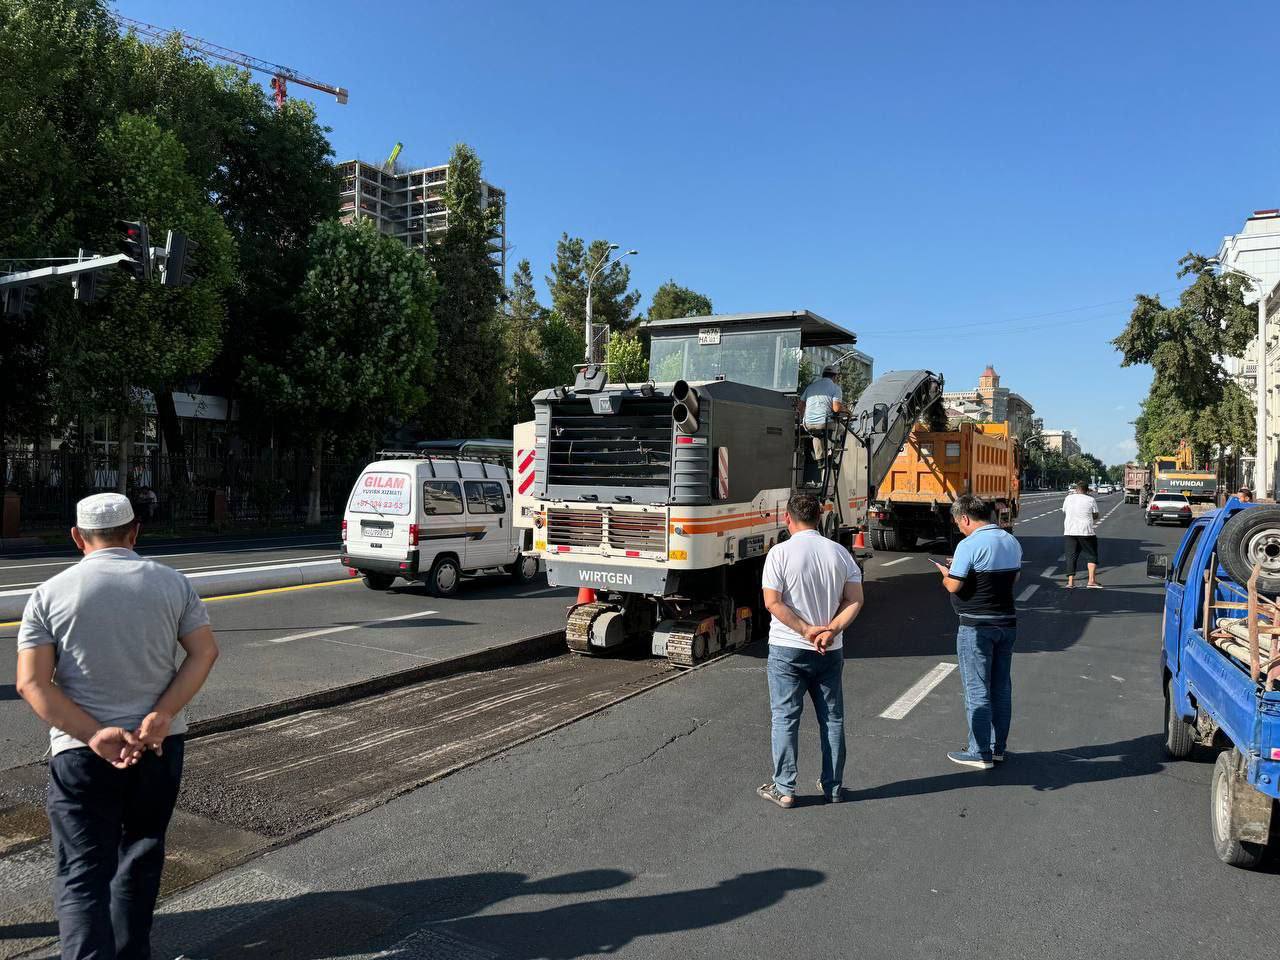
[
  {"x": 135, "y": 243},
  {"x": 179, "y": 252}
]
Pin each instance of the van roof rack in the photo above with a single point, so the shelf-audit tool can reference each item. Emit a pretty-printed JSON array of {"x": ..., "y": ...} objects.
[{"x": 435, "y": 456}]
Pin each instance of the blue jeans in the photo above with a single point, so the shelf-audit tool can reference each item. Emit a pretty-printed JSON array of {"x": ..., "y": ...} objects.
[
  {"x": 986, "y": 661},
  {"x": 108, "y": 830},
  {"x": 793, "y": 673}
]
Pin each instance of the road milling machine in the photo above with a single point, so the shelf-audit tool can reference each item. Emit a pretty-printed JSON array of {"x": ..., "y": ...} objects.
[{"x": 664, "y": 496}]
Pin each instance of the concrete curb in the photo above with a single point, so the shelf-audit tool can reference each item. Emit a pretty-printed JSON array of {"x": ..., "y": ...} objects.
[{"x": 220, "y": 583}]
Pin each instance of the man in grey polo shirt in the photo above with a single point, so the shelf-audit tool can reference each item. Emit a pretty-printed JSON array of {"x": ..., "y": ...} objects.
[{"x": 98, "y": 660}]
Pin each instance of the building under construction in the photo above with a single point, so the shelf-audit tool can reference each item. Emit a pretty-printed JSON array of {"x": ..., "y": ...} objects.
[{"x": 409, "y": 204}]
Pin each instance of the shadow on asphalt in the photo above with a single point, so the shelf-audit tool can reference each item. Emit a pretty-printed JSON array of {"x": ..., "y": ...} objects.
[
  {"x": 356, "y": 922},
  {"x": 8, "y": 691},
  {"x": 1041, "y": 770}
]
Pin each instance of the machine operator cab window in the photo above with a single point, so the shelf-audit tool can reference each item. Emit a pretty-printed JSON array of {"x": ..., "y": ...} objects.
[{"x": 758, "y": 349}]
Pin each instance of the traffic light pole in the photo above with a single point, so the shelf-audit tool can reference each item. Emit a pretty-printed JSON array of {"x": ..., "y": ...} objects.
[{"x": 60, "y": 270}]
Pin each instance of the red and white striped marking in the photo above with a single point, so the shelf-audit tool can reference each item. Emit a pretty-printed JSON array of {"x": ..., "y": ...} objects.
[
  {"x": 722, "y": 473},
  {"x": 524, "y": 471}
]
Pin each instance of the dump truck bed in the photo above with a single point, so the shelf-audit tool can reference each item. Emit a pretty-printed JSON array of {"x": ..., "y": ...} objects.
[{"x": 938, "y": 466}]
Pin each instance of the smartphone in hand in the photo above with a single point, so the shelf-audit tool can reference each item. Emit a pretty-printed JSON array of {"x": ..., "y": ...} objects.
[{"x": 941, "y": 561}]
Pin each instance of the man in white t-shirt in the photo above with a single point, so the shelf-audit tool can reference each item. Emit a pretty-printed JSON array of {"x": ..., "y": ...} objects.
[
  {"x": 813, "y": 591},
  {"x": 1079, "y": 527}
]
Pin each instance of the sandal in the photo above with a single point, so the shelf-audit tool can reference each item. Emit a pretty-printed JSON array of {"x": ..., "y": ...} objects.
[
  {"x": 1094, "y": 586},
  {"x": 771, "y": 793}
]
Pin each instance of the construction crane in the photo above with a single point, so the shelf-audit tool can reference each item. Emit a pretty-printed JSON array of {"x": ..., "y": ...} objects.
[{"x": 281, "y": 76}]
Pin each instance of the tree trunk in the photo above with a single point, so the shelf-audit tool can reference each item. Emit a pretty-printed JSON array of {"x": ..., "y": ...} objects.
[
  {"x": 313, "y": 505},
  {"x": 175, "y": 445},
  {"x": 124, "y": 446}
]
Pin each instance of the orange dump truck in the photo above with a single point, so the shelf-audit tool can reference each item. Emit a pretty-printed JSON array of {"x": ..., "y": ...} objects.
[{"x": 931, "y": 470}]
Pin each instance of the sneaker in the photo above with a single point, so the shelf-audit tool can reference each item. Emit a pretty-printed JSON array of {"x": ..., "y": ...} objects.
[
  {"x": 770, "y": 792},
  {"x": 967, "y": 759},
  {"x": 835, "y": 796}
]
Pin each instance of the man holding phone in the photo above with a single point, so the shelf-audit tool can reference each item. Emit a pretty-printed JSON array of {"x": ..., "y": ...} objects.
[
  {"x": 813, "y": 591},
  {"x": 980, "y": 579}
]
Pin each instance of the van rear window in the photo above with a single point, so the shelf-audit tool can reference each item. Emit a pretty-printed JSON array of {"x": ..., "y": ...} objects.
[{"x": 386, "y": 494}]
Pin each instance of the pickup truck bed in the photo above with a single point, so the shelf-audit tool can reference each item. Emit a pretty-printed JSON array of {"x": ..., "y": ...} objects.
[{"x": 1221, "y": 669}]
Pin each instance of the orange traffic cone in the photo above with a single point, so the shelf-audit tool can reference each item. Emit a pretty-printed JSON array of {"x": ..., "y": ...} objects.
[
  {"x": 586, "y": 595},
  {"x": 860, "y": 541}
]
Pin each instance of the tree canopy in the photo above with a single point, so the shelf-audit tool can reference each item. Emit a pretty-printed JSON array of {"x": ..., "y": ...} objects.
[
  {"x": 672, "y": 300},
  {"x": 1191, "y": 396}
]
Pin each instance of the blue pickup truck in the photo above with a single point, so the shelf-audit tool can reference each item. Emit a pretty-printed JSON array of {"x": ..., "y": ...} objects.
[{"x": 1221, "y": 668}]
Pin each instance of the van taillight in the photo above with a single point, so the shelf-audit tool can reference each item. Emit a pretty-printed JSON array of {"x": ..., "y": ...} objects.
[
  {"x": 413, "y": 534},
  {"x": 344, "y": 531}
]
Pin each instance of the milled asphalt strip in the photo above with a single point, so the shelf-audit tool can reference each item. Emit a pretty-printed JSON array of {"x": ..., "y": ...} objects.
[
  {"x": 917, "y": 692},
  {"x": 347, "y": 627}
]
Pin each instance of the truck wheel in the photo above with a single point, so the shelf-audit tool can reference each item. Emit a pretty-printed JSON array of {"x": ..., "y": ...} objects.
[
  {"x": 1252, "y": 537},
  {"x": 877, "y": 540},
  {"x": 445, "y": 577},
  {"x": 1235, "y": 853},
  {"x": 891, "y": 539},
  {"x": 524, "y": 569},
  {"x": 1179, "y": 738},
  {"x": 379, "y": 581}
]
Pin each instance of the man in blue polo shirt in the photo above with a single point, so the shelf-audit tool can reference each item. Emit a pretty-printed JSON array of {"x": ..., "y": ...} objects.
[{"x": 980, "y": 580}]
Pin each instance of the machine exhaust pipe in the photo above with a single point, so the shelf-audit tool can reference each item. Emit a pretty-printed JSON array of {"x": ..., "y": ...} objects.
[
  {"x": 685, "y": 412},
  {"x": 681, "y": 392},
  {"x": 686, "y": 422}
]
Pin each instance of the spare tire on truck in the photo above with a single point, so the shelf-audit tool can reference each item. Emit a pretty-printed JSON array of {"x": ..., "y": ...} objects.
[{"x": 1252, "y": 538}]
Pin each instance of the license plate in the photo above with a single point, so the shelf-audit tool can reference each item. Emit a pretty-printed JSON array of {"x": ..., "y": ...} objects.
[{"x": 377, "y": 533}]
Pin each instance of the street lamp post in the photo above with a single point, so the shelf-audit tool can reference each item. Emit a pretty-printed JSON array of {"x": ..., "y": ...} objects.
[
  {"x": 1261, "y": 463},
  {"x": 591, "y": 279}
]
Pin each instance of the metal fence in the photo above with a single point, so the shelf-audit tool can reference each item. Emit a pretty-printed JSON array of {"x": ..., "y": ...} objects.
[{"x": 272, "y": 490}]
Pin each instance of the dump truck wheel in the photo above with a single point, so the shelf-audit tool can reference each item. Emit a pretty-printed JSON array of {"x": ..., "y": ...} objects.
[
  {"x": 1253, "y": 537},
  {"x": 1178, "y": 734},
  {"x": 1235, "y": 853},
  {"x": 877, "y": 540},
  {"x": 890, "y": 538}
]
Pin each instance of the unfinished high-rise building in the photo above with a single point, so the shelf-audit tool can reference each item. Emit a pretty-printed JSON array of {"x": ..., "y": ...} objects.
[{"x": 409, "y": 204}]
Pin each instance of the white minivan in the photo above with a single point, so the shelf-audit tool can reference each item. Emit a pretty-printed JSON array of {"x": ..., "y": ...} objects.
[{"x": 432, "y": 518}]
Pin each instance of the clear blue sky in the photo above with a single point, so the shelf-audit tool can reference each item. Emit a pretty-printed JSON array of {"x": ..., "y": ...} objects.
[{"x": 960, "y": 183}]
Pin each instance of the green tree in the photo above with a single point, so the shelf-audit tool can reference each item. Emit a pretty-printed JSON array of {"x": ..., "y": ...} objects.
[
  {"x": 672, "y": 300},
  {"x": 525, "y": 320},
  {"x": 1191, "y": 396},
  {"x": 142, "y": 334},
  {"x": 365, "y": 344},
  {"x": 613, "y": 303},
  {"x": 561, "y": 351},
  {"x": 625, "y": 360},
  {"x": 473, "y": 340}
]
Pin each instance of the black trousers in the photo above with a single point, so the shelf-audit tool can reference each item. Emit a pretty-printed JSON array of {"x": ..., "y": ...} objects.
[
  {"x": 1080, "y": 549},
  {"x": 108, "y": 830}
]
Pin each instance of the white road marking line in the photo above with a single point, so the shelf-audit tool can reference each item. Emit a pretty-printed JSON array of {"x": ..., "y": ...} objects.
[
  {"x": 351, "y": 626},
  {"x": 1109, "y": 513},
  {"x": 917, "y": 692},
  {"x": 1117, "y": 679},
  {"x": 1026, "y": 594},
  {"x": 535, "y": 593},
  {"x": 899, "y": 560},
  {"x": 1048, "y": 571}
]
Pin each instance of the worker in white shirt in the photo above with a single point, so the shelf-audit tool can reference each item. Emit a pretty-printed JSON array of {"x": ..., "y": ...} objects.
[{"x": 1079, "y": 527}]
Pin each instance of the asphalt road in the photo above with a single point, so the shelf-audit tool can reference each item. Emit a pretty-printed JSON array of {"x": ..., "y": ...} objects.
[
  {"x": 637, "y": 832},
  {"x": 285, "y": 643},
  {"x": 30, "y": 568}
]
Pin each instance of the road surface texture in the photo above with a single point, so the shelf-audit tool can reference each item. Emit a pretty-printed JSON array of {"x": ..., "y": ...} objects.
[
  {"x": 636, "y": 832},
  {"x": 288, "y": 643}
]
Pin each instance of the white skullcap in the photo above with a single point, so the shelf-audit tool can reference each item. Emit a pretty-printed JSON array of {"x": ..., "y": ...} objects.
[{"x": 103, "y": 511}]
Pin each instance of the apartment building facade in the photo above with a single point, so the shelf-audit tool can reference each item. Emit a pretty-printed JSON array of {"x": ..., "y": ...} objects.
[
  {"x": 1063, "y": 441},
  {"x": 408, "y": 204},
  {"x": 1255, "y": 250}
]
